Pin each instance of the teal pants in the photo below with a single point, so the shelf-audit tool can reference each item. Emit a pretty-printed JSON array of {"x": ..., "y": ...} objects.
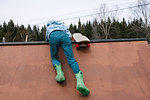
[{"x": 61, "y": 39}]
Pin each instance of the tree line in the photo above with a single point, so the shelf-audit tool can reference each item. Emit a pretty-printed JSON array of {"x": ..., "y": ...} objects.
[
  {"x": 16, "y": 33},
  {"x": 91, "y": 29},
  {"x": 118, "y": 29}
]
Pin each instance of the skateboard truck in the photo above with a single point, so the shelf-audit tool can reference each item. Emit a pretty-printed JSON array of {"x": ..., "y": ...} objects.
[{"x": 79, "y": 45}]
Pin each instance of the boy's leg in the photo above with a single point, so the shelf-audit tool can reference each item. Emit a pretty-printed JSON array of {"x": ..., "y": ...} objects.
[
  {"x": 54, "y": 47},
  {"x": 67, "y": 47}
]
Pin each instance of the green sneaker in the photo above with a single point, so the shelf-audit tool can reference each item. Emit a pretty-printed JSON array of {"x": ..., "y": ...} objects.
[
  {"x": 80, "y": 84},
  {"x": 60, "y": 74}
]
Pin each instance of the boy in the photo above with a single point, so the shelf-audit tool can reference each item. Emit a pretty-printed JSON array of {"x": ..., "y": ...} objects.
[{"x": 58, "y": 35}]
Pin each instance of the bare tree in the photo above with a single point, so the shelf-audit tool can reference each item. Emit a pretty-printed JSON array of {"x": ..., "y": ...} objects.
[
  {"x": 141, "y": 11},
  {"x": 105, "y": 16}
]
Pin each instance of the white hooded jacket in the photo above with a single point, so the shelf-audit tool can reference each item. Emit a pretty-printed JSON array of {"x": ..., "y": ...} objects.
[{"x": 54, "y": 26}]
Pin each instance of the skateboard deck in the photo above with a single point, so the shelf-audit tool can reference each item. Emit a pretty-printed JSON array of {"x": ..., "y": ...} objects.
[{"x": 81, "y": 40}]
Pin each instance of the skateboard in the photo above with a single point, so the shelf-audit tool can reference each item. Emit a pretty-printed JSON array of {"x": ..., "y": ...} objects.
[{"x": 80, "y": 40}]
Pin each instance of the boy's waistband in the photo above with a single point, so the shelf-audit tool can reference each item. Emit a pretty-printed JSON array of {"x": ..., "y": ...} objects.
[{"x": 56, "y": 31}]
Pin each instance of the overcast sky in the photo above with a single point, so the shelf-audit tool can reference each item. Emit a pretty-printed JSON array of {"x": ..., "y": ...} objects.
[{"x": 40, "y": 11}]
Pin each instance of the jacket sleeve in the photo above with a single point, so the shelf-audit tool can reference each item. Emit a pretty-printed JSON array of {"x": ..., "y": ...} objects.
[
  {"x": 47, "y": 36},
  {"x": 68, "y": 32}
]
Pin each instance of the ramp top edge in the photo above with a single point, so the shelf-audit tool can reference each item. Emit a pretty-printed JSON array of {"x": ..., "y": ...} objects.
[{"x": 91, "y": 41}]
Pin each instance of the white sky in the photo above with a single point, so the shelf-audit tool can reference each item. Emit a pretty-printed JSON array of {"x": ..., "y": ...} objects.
[{"x": 40, "y": 11}]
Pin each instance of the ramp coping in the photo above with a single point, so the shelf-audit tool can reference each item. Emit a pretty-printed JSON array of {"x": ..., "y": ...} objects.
[{"x": 91, "y": 41}]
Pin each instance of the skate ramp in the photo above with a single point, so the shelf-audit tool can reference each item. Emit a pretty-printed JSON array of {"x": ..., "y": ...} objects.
[{"x": 112, "y": 71}]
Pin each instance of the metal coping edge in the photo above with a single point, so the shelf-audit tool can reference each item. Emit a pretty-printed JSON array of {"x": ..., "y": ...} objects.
[{"x": 91, "y": 41}]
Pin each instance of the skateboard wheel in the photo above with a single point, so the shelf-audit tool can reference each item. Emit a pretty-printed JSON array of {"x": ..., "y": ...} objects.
[
  {"x": 77, "y": 45},
  {"x": 88, "y": 45}
]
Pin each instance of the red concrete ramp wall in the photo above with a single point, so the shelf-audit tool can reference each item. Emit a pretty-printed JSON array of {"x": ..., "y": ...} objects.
[{"x": 112, "y": 71}]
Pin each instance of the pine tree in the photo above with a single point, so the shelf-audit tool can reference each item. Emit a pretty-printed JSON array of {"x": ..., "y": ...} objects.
[
  {"x": 71, "y": 28},
  {"x": 79, "y": 26},
  {"x": 22, "y": 32},
  {"x": 83, "y": 29},
  {"x": 10, "y": 34},
  {"x": 43, "y": 33},
  {"x": 115, "y": 32},
  {"x": 29, "y": 33},
  {"x": 15, "y": 33},
  {"x": 123, "y": 29},
  {"x": 88, "y": 30},
  {"x": 4, "y": 27},
  {"x": 1, "y": 33},
  {"x": 36, "y": 34},
  {"x": 75, "y": 29}
]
